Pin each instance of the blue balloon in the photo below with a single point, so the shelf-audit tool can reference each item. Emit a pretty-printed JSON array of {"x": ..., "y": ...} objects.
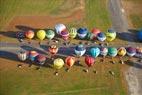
[
  {"x": 82, "y": 33},
  {"x": 94, "y": 52},
  {"x": 139, "y": 35},
  {"x": 80, "y": 50},
  {"x": 101, "y": 36}
]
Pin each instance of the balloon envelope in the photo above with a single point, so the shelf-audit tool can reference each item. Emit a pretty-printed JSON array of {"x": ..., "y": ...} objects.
[
  {"x": 41, "y": 34},
  {"x": 89, "y": 61},
  {"x": 20, "y": 35},
  {"x": 53, "y": 49},
  {"x": 110, "y": 35},
  {"x": 101, "y": 36},
  {"x": 95, "y": 31},
  {"x": 41, "y": 59},
  {"x": 112, "y": 51},
  {"x": 70, "y": 61},
  {"x": 72, "y": 33},
  {"x": 80, "y": 50},
  {"x": 22, "y": 55},
  {"x": 139, "y": 52},
  {"x": 82, "y": 33},
  {"x": 59, "y": 28},
  {"x": 131, "y": 51},
  {"x": 58, "y": 63},
  {"x": 121, "y": 51},
  {"x": 94, "y": 52},
  {"x": 50, "y": 34},
  {"x": 33, "y": 55},
  {"x": 90, "y": 36},
  {"x": 103, "y": 51},
  {"x": 139, "y": 35},
  {"x": 65, "y": 35},
  {"x": 29, "y": 34}
]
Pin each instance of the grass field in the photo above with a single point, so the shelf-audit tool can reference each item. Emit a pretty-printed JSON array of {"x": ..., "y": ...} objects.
[
  {"x": 134, "y": 12},
  {"x": 28, "y": 81}
]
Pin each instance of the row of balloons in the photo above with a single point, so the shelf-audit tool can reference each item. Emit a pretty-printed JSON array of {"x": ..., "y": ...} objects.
[
  {"x": 72, "y": 33},
  {"x": 80, "y": 51}
]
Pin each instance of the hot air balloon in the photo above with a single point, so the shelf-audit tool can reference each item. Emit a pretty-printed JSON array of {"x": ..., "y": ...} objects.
[
  {"x": 89, "y": 61},
  {"x": 65, "y": 35},
  {"x": 72, "y": 32},
  {"x": 110, "y": 35},
  {"x": 41, "y": 35},
  {"x": 101, "y": 36},
  {"x": 139, "y": 35},
  {"x": 33, "y": 55},
  {"x": 50, "y": 34},
  {"x": 131, "y": 51},
  {"x": 70, "y": 60},
  {"x": 20, "y": 35},
  {"x": 22, "y": 55},
  {"x": 94, "y": 52},
  {"x": 58, "y": 64},
  {"x": 95, "y": 32},
  {"x": 59, "y": 28},
  {"x": 41, "y": 59},
  {"x": 29, "y": 34},
  {"x": 80, "y": 50},
  {"x": 53, "y": 49},
  {"x": 82, "y": 33},
  {"x": 121, "y": 53},
  {"x": 90, "y": 36},
  {"x": 112, "y": 52},
  {"x": 139, "y": 52},
  {"x": 103, "y": 52}
]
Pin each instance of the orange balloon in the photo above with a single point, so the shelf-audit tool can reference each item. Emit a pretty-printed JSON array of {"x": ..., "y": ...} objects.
[{"x": 29, "y": 34}]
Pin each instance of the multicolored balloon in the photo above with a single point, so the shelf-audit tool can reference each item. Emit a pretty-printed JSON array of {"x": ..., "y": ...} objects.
[
  {"x": 131, "y": 51},
  {"x": 95, "y": 32},
  {"x": 65, "y": 34},
  {"x": 70, "y": 60},
  {"x": 112, "y": 51},
  {"x": 33, "y": 55},
  {"x": 41, "y": 34},
  {"x": 110, "y": 35},
  {"x": 103, "y": 51},
  {"x": 20, "y": 35},
  {"x": 59, "y": 28},
  {"x": 90, "y": 36},
  {"x": 72, "y": 32},
  {"x": 80, "y": 50},
  {"x": 139, "y": 52},
  {"x": 50, "y": 34},
  {"x": 29, "y": 34},
  {"x": 122, "y": 51},
  {"x": 58, "y": 63},
  {"x": 22, "y": 55},
  {"x": 53, "y": 49},
  {"x": 101, "y": 36},
  {"x": 82, "y": 33},
  {"x": 94, "y": 52},
  {"x": 89, "y": 61},
  {"x": 41, "y": 59}
]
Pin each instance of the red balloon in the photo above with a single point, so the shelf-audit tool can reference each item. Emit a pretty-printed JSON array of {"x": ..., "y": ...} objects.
[
  {"x": 70, "y": 61},
  {"x": 89, "y": 61},
  {"x": 95, "y": 31},
  {"x": 29, "y": 34},
  {"x": 53, "y": 49}
]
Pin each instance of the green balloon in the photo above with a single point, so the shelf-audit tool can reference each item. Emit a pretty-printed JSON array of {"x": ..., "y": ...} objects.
[{"x": 50, "y": 34}]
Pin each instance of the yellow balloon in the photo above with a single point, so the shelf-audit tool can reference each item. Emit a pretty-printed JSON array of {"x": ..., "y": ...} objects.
[
  {"x": 122, "y": 51},
  {"x": 58, "y": 63},
  {"x": 41, "y": 34}
]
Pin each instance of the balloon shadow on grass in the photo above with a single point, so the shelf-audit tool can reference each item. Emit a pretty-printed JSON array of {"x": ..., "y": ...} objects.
[
  {"x": 134, "y": 64},
  {"x": 11, "y": 34}
]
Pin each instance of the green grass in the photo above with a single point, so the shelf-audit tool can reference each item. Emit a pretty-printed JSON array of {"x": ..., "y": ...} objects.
[
  {"x": 12, "y": 8},
  {"x": 97, "y": 14},
  {"x": 136, "y": 20},
  {"x": 28, "y": 81}
]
